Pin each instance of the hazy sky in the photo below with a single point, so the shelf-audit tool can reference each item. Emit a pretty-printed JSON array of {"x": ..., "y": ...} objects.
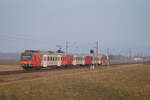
[{"x": 43, "y": 24}]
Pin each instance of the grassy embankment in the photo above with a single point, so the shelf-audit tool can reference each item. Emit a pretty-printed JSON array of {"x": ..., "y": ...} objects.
[{"x": 131, "y": 82}]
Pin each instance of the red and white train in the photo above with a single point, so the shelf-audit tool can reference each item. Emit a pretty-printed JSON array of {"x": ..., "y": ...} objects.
[{"x": 43, "y": 59}]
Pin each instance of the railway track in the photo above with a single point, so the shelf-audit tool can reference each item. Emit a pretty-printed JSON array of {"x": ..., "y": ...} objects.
[
  {"x": 60, "y": 68},
  {"x": 41, "y": 70}
]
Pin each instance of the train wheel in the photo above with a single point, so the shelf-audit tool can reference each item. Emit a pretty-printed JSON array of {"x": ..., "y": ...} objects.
[
  {"x": 38, "y": 68},
  {"x": 27, "y": 68}
]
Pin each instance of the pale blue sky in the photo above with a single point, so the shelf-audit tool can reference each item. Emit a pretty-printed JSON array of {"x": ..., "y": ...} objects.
[{"x": 43, "y": 24}]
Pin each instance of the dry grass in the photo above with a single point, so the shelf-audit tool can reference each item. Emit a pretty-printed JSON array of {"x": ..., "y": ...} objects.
[
  {"x": 9, "y": 61},
  {"x": 10, "y": 67},
  {"x": 128, "y": 82}
]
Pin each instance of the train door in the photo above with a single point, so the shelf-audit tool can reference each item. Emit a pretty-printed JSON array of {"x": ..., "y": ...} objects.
[
  {"x": 99, "y": 61},
  {"x": 83, "y": 60},
  {"x": 74, "y": 60},
  {"x": 45, "y": 61},
  {"x": 59, "y": 60},
  {"x": 55, "y": 60}
]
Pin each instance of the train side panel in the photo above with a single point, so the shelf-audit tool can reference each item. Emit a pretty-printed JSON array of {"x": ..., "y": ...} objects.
[
  {"x": 36, "y": 60},
  {"x": 88, "y": 60},
  {"x": 66, "y": 60}
]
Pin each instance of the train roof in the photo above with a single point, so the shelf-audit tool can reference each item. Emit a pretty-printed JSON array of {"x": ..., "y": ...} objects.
[{"x": 42, "y": 52}]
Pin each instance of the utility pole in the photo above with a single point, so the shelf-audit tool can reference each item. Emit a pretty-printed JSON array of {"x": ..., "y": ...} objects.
[
  {"x": 66, "y": 47},
  {"x": 130, "y": 53},
  {"x": 97, "y": 54},
  {"x": 108, "y": 59}
]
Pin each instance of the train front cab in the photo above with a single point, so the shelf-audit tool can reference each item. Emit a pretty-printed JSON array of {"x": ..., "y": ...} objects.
[{"x": 31, "y": 61}]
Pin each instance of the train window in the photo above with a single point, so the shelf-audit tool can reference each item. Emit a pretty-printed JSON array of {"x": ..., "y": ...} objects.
[
  {"x": 55, "y": 58},
  {"x": 48, "y": 58}
]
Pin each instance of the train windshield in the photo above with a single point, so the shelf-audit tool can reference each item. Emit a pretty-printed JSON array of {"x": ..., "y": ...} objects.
[{"x": 26, "y": 58}]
